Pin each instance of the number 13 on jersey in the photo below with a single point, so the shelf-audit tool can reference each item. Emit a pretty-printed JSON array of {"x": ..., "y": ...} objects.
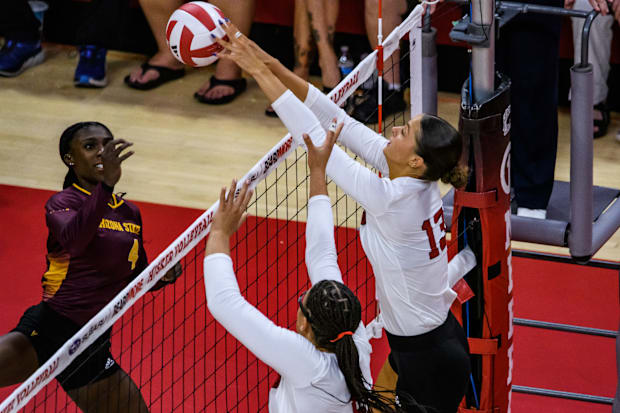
[{"x": 426, "y": 226}]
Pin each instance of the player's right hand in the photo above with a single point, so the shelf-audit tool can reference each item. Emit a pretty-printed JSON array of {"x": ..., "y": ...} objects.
[
  {"x": 319, "y": 155},
  {"x": 111, "y": 157}
]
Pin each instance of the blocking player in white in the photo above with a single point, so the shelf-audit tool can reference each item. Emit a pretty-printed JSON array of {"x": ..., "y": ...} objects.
[
  {"x": 404, "y": 233},
  {"x": 325, "y": 365}
]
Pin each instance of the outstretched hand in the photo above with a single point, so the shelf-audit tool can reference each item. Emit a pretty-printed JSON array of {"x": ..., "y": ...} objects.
[
  {"x": 231, "y": 211},
  {"x": 319, "y": 155},
  {"x": 111, "y": 159},
  {"x": 241, "y": 50}
]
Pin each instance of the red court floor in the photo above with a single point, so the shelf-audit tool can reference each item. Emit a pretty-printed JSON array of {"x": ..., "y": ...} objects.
[{"x": 182, "y": 360}]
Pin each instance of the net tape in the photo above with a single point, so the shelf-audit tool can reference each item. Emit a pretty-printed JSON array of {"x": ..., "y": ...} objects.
[{"x": 199, "y": 229}]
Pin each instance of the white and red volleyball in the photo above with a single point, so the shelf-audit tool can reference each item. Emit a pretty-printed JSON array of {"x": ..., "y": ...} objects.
[{"x": 189, "y": 33}]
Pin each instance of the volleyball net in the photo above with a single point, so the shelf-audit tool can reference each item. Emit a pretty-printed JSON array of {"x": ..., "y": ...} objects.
[{"x": 166, "y": 340}]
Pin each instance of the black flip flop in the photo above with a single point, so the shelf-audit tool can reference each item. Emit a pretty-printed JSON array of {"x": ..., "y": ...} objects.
[
  {"x": 270, "y": 112},
  {"x": 238, "y": 85},
  {"x": 165, "y": 75}
]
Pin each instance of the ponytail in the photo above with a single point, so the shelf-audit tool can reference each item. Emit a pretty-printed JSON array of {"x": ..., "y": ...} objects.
[
  {"x": 336, "y": 312},
  {"x": 457, "y": 177}
]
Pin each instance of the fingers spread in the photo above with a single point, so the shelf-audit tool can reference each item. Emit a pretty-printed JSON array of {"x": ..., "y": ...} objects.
[
  {"x": 120, "y": 148},
  {"x": 222, "y": 196},
  {"x": 245, "y": 195},
  {"x": 231, "y": 192},
  {"x": 125, "y": 156},
  {"x": 248, "y": 197},
  {"x": 230, "y": 30},
  {"x": 242, "y": 193},
  {"x": 226, "y": 45}
]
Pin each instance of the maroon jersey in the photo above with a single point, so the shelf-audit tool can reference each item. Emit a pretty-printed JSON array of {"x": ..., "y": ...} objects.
[{"x": 94, "y": 249}]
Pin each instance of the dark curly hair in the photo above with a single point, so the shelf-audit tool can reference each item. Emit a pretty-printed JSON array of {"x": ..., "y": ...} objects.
[{"x": 333, "y": 309}]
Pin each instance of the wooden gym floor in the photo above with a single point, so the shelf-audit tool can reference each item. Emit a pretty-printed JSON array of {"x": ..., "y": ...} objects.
[{"x": 185, "y": 151}]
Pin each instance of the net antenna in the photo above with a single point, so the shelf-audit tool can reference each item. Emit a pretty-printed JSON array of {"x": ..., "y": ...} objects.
[{"x": 167, "y": 342}]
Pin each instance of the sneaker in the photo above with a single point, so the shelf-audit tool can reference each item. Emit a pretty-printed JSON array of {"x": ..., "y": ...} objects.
[
  {"x": 17, "y": 56},
  {"x": 90, "y": 71},
  {"x": 365, "y": 107}
]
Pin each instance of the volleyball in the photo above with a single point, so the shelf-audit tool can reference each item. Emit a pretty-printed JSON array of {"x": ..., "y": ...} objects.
[{"x": 189, "y": 31}]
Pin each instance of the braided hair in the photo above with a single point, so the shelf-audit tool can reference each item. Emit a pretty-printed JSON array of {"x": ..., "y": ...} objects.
[
  {"x": 335, "y": 311},
  {"x": 64, "y": 147},
  {"x": 440, "y": 145}
]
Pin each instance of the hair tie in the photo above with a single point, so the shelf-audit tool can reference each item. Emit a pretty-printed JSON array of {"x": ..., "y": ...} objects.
[{"x": 344, "y": 333}]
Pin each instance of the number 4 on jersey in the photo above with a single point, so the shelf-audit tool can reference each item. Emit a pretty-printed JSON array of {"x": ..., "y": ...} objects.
[
  {"x": 435, "y": 249},
  {"x": 133, "y": 254}
]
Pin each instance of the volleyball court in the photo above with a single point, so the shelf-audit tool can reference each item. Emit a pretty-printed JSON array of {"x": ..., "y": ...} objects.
[{"x": 167, "y": 341}]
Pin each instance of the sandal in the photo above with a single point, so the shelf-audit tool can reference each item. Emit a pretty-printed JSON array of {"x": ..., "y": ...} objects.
[
  {"x": 165, "y": 75},
  {"x": 239, "y": 86},
  {"x": 601, "y": 124}
]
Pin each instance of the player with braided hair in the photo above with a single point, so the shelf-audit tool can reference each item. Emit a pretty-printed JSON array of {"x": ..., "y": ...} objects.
[{"x": 325, "y": 365}]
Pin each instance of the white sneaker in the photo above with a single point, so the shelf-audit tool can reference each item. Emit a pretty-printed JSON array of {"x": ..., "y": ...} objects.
[{"x": 532, "y": 213}]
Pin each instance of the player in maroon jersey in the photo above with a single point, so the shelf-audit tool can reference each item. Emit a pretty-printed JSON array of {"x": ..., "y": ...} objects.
[{"x": 94, "y": 249}]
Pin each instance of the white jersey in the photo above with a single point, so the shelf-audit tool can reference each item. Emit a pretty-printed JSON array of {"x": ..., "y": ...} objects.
[
  {"x": 404, "y": 234},
  {"x": 311, "y": 380}
]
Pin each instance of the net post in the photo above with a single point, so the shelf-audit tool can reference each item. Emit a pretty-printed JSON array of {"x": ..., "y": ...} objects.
[
  {"x": 429, "y": 68},
  {"x": 483, "y": 56},
  {"x": 485, "y": 127},
  {"x": 580, "y": 235}
]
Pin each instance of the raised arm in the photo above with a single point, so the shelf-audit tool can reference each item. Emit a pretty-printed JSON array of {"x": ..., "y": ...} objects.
[
  {"x": 75, "y": 227},
  {"x": 356, "y": 136},
  {"x": 355, "y": 179},
  {"x": 74, "y": 224},
  {"x": 362, "y": 140},
  {"x": 287, "y": 352},
  {"x": 321, "y": 256}
]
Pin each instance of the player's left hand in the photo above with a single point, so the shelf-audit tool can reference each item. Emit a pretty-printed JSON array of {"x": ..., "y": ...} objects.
[
  {"x": 239, "y": 49},
  {"x": 319, "y": 155},
  {"x": 231, "y": 211}
]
